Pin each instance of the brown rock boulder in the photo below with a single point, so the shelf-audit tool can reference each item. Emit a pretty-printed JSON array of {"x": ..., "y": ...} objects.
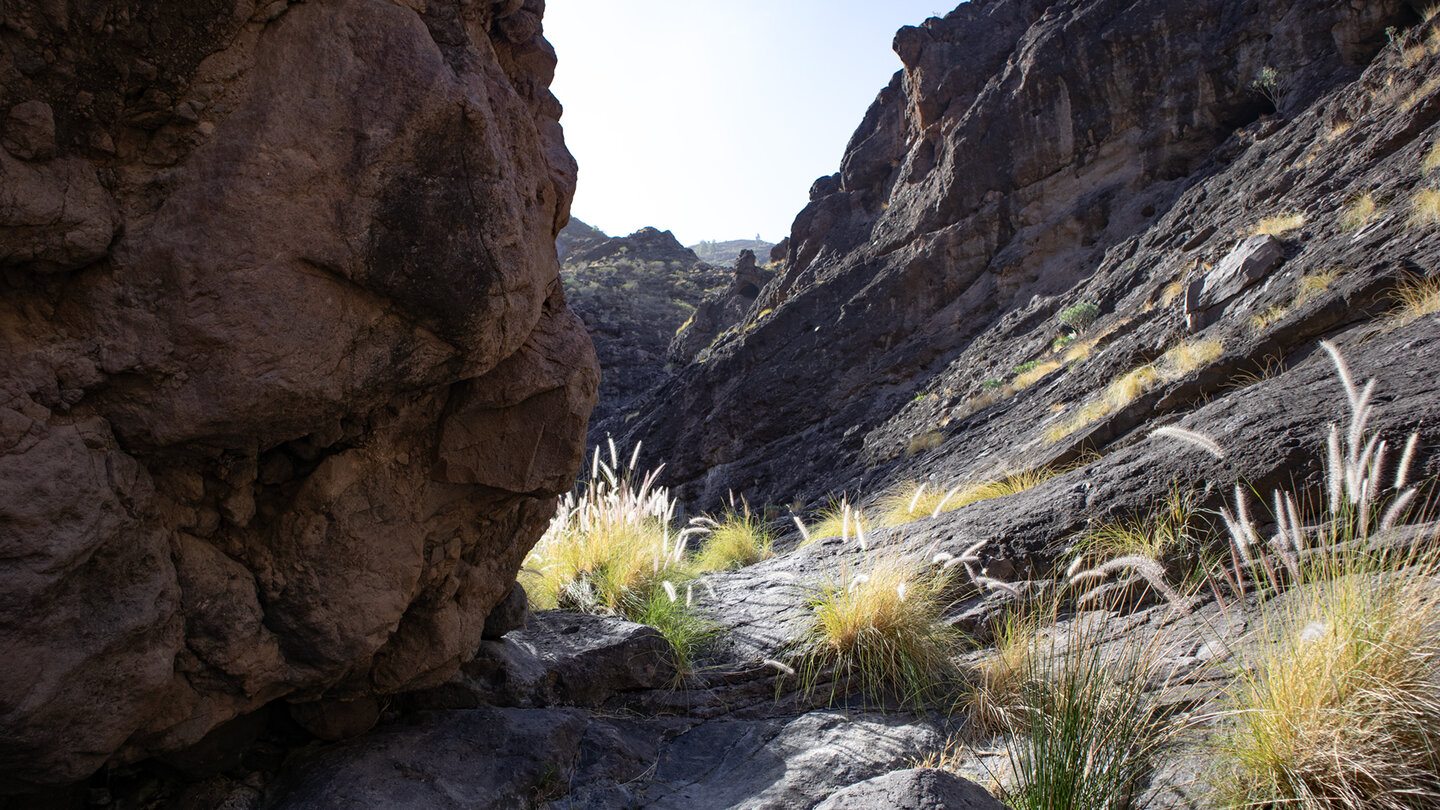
[{"x": 287, "y": 379}]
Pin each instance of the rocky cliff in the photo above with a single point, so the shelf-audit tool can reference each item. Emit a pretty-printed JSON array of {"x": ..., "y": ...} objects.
[
  {"x": 1029, "y": 157},
  {"x": 287, "y": 377}
]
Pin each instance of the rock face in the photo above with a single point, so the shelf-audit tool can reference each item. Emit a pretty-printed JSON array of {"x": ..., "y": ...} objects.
[
  {"x": 287, "y": 377},
  {"x": 720, "y": 311},
  {"x": 1029, "y": 156}
]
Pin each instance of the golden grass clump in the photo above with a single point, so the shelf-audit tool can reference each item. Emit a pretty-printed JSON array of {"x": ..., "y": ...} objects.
[
  {"x": 1431, "y": 161},
  {"x": 1425, "y": 207},
  {"x": 1178, "y": 360},
  {"x": 1164, "y": 530},
  {"x": 1313, "y": 285},
  {"x": 929, "y": 440},
  {"x": 739, "y": 538},
  {"x": 1033, "y": 374},
  {"x": 1416, "y": 298},
  {"x": 1339, "y": 708},
  {"x": 1334, "y": 699},
  {"x": 913, "y": 500},
  {"x": 838, "y": 519},
  {"x": 882, "y": 628},
  {"x": 1280, "y": 224},
  {"x": 1271, "y": 316},
  {"x": 1170, "y": 292},
  {"x": 1359, "y": 212},
  {"x": 994, "y": 706},
  {"x": 610, "y": 544}
]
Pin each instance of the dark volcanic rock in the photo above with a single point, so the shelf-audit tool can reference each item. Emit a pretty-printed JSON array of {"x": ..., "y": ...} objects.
[
  {"x": 913, "y": 789},
  {"x": 1029, "y": 156},
  {"x": 287, "y": 378},
  {"x": 720, "y": 311}
]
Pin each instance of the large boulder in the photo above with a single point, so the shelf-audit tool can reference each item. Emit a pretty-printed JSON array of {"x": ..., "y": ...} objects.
[{"x": 287, "y": 378}]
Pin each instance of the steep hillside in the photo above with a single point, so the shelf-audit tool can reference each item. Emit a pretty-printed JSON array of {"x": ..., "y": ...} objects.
[
  {"x": 1034, "y": 156},
  {"x": 633, "y": 294}
]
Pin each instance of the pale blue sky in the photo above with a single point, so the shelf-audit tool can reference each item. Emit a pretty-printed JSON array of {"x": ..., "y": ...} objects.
[{"x": 711, "y": 118}]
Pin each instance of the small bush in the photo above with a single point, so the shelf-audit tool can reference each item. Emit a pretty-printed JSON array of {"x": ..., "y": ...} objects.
[
  {"x": 883, "y": 628},
  {"x": 992, "y": 384},
  {"x": 1080, "y": 316},
  {"x": 1058, "y": 344},
  {"x": 1270, "y": 84}
]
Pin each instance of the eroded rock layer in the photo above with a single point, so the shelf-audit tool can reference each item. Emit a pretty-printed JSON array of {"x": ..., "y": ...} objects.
[{"x": 287, "y": 378}]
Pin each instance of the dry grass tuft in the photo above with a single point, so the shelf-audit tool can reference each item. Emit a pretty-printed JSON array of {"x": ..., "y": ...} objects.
[
  {"x": 1170, "y": 292},
  {"x": 739, "y": 538},
  {"x": 1359, "y": 213},
  {"x": 929, "y": 440},
  {"x": 883, "y": 627},
  {"x": 1033, "y": 374},
  {"x": 1339, "y": 709},
  {"x": 1432, "y": 159},
  {"x": 1268, "y": 318},
  {"x": 838, "y": 519},
  {"x": 1312, "y": 285},
  {"x": 1425, "y": 207},
  {"x": 1280, "y": 224},
  {"x": 912, "y": 500},
  {"x": 1416, "y": 298},
  {"x": 1178, "y": 361}
]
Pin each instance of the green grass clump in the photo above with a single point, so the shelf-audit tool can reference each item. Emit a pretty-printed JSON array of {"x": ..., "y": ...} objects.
[
  {"x": 1084, "y": 722},
  {"x": 739, "y": 538},
  {"x": 882, "y": 629}
]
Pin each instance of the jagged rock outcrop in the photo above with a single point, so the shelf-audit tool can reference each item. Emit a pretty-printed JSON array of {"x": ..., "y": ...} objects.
[
  {"x": 633, "y": 293},
  {"x": 1030, "y": 155},
  {"x": 577, "y": 236},
  {"x": 720, "y": 311},
  {"x": 287, "y": 377}
]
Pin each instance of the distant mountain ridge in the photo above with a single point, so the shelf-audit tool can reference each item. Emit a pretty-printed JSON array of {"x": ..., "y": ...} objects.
[{"x": 727, "y": 252}]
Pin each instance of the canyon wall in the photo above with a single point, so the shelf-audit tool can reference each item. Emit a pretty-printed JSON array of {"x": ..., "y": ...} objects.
[{"x": 1022, "y": 143}]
